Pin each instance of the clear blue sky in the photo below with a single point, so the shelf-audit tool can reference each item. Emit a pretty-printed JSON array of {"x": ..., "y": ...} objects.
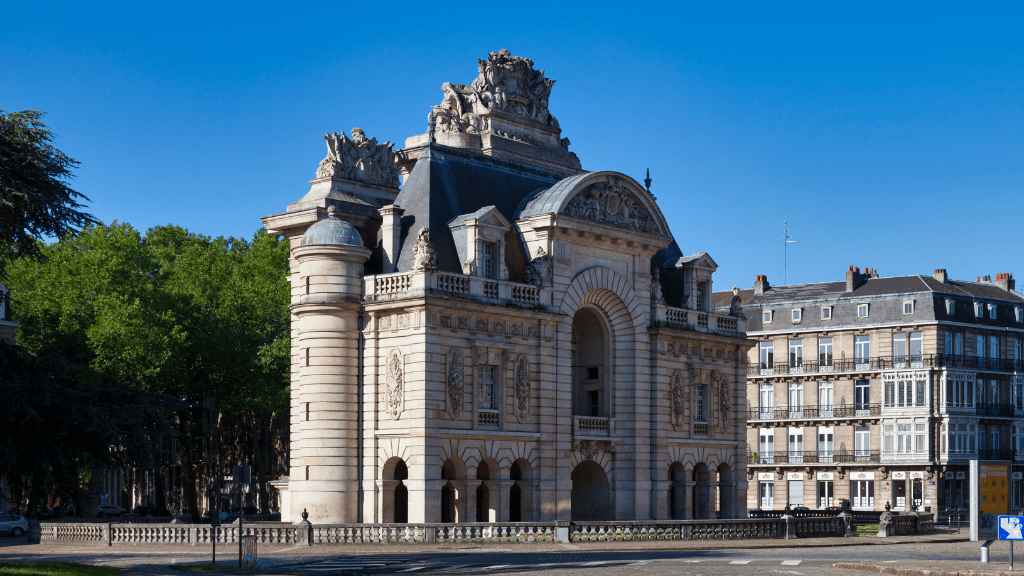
[{"x": 888, "y": 135}]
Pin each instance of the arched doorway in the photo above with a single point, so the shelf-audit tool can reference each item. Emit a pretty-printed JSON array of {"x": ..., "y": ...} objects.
[
  {"x": 701, "y": 493},
  {"x": 483, "y": 494},
  {"x": 590, "y": 364},
  {"x": 590, "y": 494},
  {"x": 676, "y": 492},
  {"x": 725, "y": 491},
  {"x": 448, "y": 492},
  {"x": 401, "y": 496},
  {"x": 515, "y": 495}
]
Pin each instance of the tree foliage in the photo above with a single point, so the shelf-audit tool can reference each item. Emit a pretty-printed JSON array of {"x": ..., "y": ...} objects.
[
  {"x": 201, "y": 319},
  {"x": 35, "y": 199}
]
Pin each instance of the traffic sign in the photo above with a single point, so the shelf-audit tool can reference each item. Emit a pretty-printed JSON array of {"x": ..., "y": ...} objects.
[{"x": 1010, "y": 527}]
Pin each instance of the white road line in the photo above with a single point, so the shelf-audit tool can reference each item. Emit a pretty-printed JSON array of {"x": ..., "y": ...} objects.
[
  {"x": 740, "y": 562},
  {"x": 791, "y": 562},
  {"x": 498, "y": 566},
  {"x": 414, "y": 569},
  {"x": 459, "y": 567},
  {"x": 692, "y": 561},
  {"x": 641, "y": 563},
  {"x": 594, "y": 563}
]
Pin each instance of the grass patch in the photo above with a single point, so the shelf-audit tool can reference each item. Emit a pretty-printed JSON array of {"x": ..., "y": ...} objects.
[
  {"x": 54, "y": 569},
  {"x": 202, "y": 568},
  {"x": 867, "y": 530}
]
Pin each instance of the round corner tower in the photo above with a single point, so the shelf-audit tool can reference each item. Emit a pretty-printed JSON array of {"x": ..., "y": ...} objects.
[{"x": 326, "y": 308}]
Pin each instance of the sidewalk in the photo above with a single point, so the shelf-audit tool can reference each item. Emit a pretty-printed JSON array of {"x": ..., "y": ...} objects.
[{"x": 998, "y": 565}]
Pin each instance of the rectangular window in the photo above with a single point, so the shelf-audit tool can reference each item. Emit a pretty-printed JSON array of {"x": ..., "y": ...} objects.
[
  {"x": 862, "y": 443},
  {"x": 826, "y": 398},
  {"x": 1018, "y": 393},
  {"x": 908, "y": 307},
  {"x": 826, "y": 443},
  {"x": 796, "y": 399},
  {"x": 1016, "y": 350},
  {"x": 950, "y": 307},
  {"x": 766, "y": 437},
  {"x": 824, "y": 354},
  {"x": 861, "y": 350},
  {"x": 862, "y": 395},
  {"x": 888, "y": 438},
  {"x": 796, "y": 445},
  {"x": 903, "y": 437},
  {"x": 767, "y": 355},
  {"x": 767, "y": 491},
  {"x": 487, "y": 259},
  {"x": 1019, "y": 313},
  {"x": 889, "y": 397},
  {"x": 980, "y": 347},
  {"x": 486, "y": 378},
  {"x": 862, "y": 310},
  {"x": 916, "y": 349},
  {"x": 992, "y": 311},
  {"x": 899, "y": 350},
  {"x": 594, "y": 402},
  {"x": 701, "y": 411},
  {"x": 701, "y": 289},
  {"x": 797, "y": 314},
  {"x": 920, "y": 386},
  {"x": 919, "y": 438},
  {"x": 979, "y": 309},
  {"x": 862, "y": 494},
  {"x": 796, "y": 492},
  {"x": 958, "y": 345},
  {"x": 766, "y": 317},
  {"x": 949, "y": 344},
  {"x": 796, "y": 353},
  {"x": 766, "y": 400},
  {"x": 993, "y": 350},
  {"x": 826, "y": 312}
]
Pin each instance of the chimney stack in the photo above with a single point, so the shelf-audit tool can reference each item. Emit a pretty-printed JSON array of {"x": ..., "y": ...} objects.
[
  {"x": 1005, "y": 281},
  {"x": 940, "y": 275},
  {"x": 761, "y": 284},
  {"x": 854, "y": 278}
]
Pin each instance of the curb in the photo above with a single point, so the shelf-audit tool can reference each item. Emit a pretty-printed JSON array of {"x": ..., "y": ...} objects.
[{"x": 915, "y": 571}]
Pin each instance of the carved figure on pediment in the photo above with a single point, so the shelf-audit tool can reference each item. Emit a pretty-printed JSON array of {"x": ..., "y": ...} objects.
[
  {"x": 538, "y": 271},
  {"x": 456, "y": 379},
  {"x": 395, "y": 384},
  {"x": 610, "y": 203},
  {"x": 656, "y": 295},
  {"x": 359, "y": 159},
  {"x": 425, "y": 260},
  {"x": 589, "y": 449},
  {"x": 522, "y": 390}
]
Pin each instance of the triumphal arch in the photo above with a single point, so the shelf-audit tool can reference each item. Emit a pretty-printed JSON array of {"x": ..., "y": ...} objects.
[{"x": 482, "y": 330}]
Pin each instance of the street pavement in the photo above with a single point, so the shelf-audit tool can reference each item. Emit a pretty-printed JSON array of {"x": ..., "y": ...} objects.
[{"x": 939, "y": 554}]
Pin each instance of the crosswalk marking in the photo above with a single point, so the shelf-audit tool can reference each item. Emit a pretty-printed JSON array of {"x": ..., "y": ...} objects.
[
  {"x": 791, "y": 562},
  {"x": 740, "y": 562}
]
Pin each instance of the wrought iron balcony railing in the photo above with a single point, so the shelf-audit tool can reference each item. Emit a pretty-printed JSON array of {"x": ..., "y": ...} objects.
[
  {"x": 994, "y": 409},
  {"x": 814, "y": 457},
  {"x": 874, "y": 363},
  {"x": 815, "y": 412}
]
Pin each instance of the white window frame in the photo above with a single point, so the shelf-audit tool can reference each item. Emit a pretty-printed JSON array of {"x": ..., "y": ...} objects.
[
  {"x": 950, "y": 306},
  {"x": 796, "y": 355},
  {"x": 992, "y": 309},
  {"x": 979, "y": 309},
  {"x": 766, "y": 316},
  {"x": 797, "y": 315},
  {"x": 1019, "y": 313},
  {"x": 488, "y": 252},
  {"x": 862, "y": 310},
  {"x": 908, "y": 307},
  {"x": 826, "y": 357},
  {"x": 826, "y": 312}
]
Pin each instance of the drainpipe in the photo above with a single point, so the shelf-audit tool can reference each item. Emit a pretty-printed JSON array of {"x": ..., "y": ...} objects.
[{"x": 359, "y": 431}]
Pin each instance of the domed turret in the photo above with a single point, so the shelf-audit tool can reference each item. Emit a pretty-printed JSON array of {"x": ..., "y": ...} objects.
[{"x": 331, "y": 231}]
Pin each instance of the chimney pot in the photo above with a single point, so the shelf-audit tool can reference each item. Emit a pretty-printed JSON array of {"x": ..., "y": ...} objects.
[
  {"x": 940, "y": 275},
  {"x": 761, "y": 284}
]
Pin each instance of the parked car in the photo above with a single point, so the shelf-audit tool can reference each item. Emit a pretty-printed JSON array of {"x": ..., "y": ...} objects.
[
  {"x": 13, "y": 524},
  {"x": 104, "y": 510},
  {"x": 155, "y": 511},
  {"x": 804, "y": 508}
]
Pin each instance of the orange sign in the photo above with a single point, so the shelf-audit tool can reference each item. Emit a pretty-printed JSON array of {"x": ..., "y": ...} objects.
[{"x": 994, "y": 488}]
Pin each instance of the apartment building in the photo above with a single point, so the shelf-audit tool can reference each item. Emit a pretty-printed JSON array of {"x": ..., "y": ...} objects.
[{"x": 881, "y": 390}]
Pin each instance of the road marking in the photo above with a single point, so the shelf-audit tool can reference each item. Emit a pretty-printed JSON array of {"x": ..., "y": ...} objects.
[
  {"x": 791, "y": 562},
  {"x": 594, "y": 563},
  {"x": 641, "y": 563},
  {"x": 692, "y": 561},
  {"x": 460, "y": 566},
  {"x": 543, "y": 565},
  {"x": 740, "y": 562},
  {"x": 414, "y": 569},
  {"x": 498, "y": 566}
]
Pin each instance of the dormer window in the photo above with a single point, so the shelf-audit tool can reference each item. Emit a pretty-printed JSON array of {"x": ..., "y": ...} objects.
[
  {"x": 480, "y": 241},
  {"x": 908, "y": 307},
  {"x": 487, "y": 250},
  {"x": 1019, "y": 313},
  {"x": 797, "y": 314},
  {"x": 992, "y": 311},
  {"x": 862, "y": 310},
  {"x": 950, "y": 306},
  {"x": 766, "y": 317},
  {"x": 826, "y": 312},
  {"x": 979, "y": 309}
]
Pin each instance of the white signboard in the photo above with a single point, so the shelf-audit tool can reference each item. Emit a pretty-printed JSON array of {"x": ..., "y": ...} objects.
[
  {"x": 917, "y": 475},
  {"x": 764, "y": 475},
  {"x": 862, "y": 475},
  {"x": 794, "y": 476},
  {"x": 826, "y": 475},
  {"x": 1015, "y": 476},
  {"x": 899, "y": 475}
]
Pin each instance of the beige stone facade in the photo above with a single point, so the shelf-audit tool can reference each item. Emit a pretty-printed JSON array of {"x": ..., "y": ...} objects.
[{"x": 505, "y": 337}]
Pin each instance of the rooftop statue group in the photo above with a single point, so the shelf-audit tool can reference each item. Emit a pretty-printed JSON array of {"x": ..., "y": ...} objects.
[
  {"x": 506, "y": 84},
  {"x": 360, "y": 159}
]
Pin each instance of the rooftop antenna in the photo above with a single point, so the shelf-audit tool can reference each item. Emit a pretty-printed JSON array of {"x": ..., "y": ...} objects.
[{"x": 785, "y": 252}]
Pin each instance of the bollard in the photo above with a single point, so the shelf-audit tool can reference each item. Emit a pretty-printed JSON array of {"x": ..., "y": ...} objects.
[{"x": 984, "y": 551}]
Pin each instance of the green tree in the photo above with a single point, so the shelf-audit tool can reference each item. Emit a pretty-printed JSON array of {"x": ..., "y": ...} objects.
[{"x": 35, "y": 199}]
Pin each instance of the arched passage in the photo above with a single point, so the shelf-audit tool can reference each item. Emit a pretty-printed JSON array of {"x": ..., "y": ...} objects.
[
  {"x": 483, "y": 493},
  {"x": 520, "y": 493},
  {"x": 448, "y": 513},
  {"x": 726, "y": 493},
  {"x": 590, "y": 493},
  {"x": 400, "y": 498},
  {"x": 676, "y": 492},
  {"x": 701, "y": 492}
]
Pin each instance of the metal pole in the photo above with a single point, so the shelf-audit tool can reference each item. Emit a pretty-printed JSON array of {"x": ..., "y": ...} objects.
[
  {"x": 1011, "y": 555},
  {"x": 215, "y": 529},
  {"x": 239, "y": 526}
]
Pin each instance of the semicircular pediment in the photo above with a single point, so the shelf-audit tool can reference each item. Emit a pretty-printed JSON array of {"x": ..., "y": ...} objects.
[{"x": 609, "y": 198}]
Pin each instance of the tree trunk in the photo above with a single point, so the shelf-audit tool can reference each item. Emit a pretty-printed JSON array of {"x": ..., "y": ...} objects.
[{"x": 91, "y": 497}]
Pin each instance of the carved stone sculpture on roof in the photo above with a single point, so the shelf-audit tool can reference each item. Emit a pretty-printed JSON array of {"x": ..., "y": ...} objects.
[
  {"x": 610, "y": 203},
  {"x": 734, "y": 305},
  {"x": 425, "y": 260},
  {"x": 359, "y": 159},
  {"x": 538, "y": 271},
  {"x": 656, "y": 295},
  {"x": 506, "y": 85}
]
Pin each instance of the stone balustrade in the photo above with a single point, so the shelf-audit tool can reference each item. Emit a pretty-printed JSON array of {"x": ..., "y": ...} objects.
[
  {"x": 592, "y": 425},
  {"x": 403, "y": 285},
  {"x": 697, "y": 321},
  {"x": 292, "y": 534}
]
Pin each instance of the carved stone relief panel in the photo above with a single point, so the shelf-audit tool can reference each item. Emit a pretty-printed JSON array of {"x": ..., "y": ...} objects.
[
  {"x": 610, "y": 203},
  {"x": 395, "y": 383},
  {"x": 678, "y": 401},
  {"x": 456, "y": 384},
  {"x": 522, "y": 389}
]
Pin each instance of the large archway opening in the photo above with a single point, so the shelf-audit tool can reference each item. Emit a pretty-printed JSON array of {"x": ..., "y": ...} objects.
[
  {"x": 590, "y": 493},
  {"x": 676, "y": 492},
  {"x": 483, "y": 493},
  {"x": 701, "y": 492},
  {"x": 590, "y": 364},
  {"x": 726, "y": 502},
  {"x": 401, "y": 493},
  {"x": 448, "y": 514}
]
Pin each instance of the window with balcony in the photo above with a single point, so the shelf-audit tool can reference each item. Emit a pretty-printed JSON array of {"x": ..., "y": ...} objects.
[
  {"x": 826, "y": 312},
  {"x": 899, "y": 350},
  {"x": 862, "y": 395},
  {"x": 826, "y": 399},
  {"x": 700, "y": 404},
  {"x": 796, "y": 399},
  {"x": 796, "y": 355},
  {"x": 1018, "y": 437},
  {"x": 959, "y": 389},
  {"x": 766, "y": 400},
  {"x": 862, "y": 443},
  {"x": 958, "y": 344},
  {"x": 1018, "y": 392},
  {"x": 916, "y": 349},
  {"x": 993, "y": 352},
  {"x": 862, "y": 310},
  {"x": 825, "y": 355},
  {"x": 979, "y": 349},
  {"x": 486, "y": 379},
  {"x": 826, "y": 443},
  {"x": 767, "y": 352},
  {"x": 861, "y": 350},
  {"x": 766, "y": 445},
  {"x": 904, "y": 389},
  {"x": 796, "y": 445},
  {"x": 948, "y": 349}
]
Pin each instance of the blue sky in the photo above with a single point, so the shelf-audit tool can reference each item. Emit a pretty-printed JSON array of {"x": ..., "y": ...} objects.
[{"x": 888, "y": 135}]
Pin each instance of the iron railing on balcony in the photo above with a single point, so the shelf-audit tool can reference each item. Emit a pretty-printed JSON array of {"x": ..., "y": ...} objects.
[
  {"x": 814, "y": 457},
  {"x": 815, "y": 412},
  {"x": 996, "y": 454},
  {"x": 814, "y": 366},
  {"x": 994, "y": 409}
]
